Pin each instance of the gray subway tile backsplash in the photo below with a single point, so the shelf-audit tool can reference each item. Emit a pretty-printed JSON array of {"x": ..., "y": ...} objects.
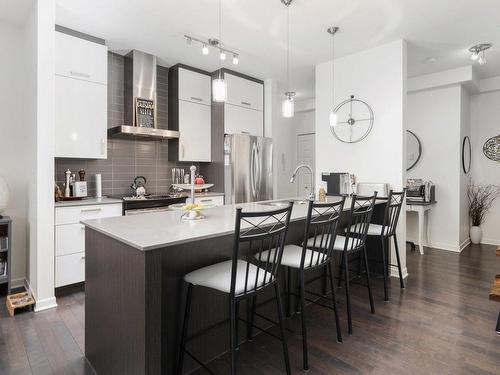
[{"x": 127, "y": 158}]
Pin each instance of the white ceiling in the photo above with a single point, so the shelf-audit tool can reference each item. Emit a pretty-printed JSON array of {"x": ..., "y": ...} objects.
[
  {"x": 15, "y": 11},
  {"x": 435, "y": 29}
]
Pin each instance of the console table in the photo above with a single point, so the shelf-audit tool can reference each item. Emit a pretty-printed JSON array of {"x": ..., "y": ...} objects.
[{"x": 423, "y": 226}]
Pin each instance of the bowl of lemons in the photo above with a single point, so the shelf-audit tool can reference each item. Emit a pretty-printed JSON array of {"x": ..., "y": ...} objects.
[{"x": 193, "y": 211}]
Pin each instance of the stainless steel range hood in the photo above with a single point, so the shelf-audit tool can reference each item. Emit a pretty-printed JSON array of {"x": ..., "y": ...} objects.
[{"x": 140, "y": 83}]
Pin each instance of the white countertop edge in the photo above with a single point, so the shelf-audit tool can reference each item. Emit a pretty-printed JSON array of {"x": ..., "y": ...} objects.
[
  {"x": 113, "y": 229},
  {"x": 87, "y": 202}
]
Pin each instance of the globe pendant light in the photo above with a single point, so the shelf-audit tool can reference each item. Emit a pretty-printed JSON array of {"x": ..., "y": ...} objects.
[
  {"x": 219, "y": 89},
  {"x": 288, "y": 107},
  {"x": 332, "y": 118}
]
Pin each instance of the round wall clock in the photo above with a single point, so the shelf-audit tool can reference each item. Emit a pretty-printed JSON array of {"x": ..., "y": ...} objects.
[
  {"x": 354, "y": 120},
  {"x": 466, "y": 154}
]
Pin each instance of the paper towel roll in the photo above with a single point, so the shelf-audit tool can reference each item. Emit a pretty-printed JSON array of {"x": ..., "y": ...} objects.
[{"x": 98, "y": 185}]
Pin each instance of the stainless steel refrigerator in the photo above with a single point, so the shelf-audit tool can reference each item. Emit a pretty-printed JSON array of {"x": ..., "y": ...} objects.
[{"x": 248, "y": 168}]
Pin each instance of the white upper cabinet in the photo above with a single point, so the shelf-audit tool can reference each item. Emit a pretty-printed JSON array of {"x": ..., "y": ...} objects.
[
  {"x": 80, "y": 119},
  {"x": 195, "y": 87},
  {"x": 244, "y": 92},
  {"x": 238, "y": 120},
  {"x": 190, "y": 113},
  {"x": 81, "y": 113},
  {"x": 80, "y": 58},
  {"x": 195, "y": 132}
]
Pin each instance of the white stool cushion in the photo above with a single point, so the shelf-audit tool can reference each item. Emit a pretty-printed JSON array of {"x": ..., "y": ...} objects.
[
  {"x": 338, "y": 245},
  {"x": 374, "y": 230},
  {"x": 218, "y": 276},
  {"x": 292, "y": 255}
]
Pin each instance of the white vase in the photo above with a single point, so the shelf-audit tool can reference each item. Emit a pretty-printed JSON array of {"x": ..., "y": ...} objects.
[{"x": 476, "y": 234}]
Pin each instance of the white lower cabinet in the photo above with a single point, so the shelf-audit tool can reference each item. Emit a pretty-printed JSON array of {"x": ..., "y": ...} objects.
[
  {"x": 70, "y": 239},
  {"x": 217, "y": 200},
  {"x": 70, "y": 269}
]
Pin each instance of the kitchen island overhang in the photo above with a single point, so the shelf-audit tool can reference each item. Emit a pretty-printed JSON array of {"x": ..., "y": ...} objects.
[{"x": 134, "y": 286}]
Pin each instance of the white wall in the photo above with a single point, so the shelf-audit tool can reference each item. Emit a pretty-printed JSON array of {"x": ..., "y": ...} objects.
[
  {"x": 434, "y": 116},
  {"x": 42, "y": 209},
  {"x": 27, "y": 145},
  {"x": 278, "y": 127},
  {"x": 378, "y": 76},
  {"x": 14, "y": 142},
  {"x": 485, "y": 123},
  {"x": 465, "y": 130}
]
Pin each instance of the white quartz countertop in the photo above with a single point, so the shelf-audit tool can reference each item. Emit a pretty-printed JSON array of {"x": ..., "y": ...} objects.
[
  {"x": 162, "y": 229},
  {"x": 87, "y": 202}
]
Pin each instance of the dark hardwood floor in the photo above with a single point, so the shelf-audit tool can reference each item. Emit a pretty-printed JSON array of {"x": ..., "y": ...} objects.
[{"x": 442, "y": 323}]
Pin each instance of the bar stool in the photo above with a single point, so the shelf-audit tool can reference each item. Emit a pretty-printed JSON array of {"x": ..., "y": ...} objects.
[
  {"x": 321, "y": 223},
  {"x": 388, "y": 230},
  {"x": 354, "y": 241},
  {"x": 240, "y": 278}
]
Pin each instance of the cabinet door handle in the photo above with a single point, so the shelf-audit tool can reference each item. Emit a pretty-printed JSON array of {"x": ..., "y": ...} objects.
[
  {"x": 205, "y": 200},
  {"x": 182, "y": 153},
  {"x": 246, "y": 103},
  {"x": 91, "y": 209},
  {"x": 79, "y": 74},
  {"x": 197, "y": 99},
  {"x": 83, "y": 257},
  {"x": 244, "y": 132}
]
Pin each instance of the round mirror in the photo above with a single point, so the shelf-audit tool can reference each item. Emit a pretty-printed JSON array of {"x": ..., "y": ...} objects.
[
  {"x": 466, "y": 155},
  {"x": 413, "y": 150}
]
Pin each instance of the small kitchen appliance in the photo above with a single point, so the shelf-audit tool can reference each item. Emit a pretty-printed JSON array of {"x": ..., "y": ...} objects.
[{"x": 418, "y": 191}]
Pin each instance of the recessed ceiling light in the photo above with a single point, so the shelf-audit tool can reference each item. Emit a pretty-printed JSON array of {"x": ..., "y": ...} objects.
[
  {"x": 430, "y": 60},
  {"x": 478, "y": 52}
]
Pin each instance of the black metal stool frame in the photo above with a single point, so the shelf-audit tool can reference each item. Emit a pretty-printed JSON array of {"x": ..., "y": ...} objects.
[
  {"x": 321, "y": 224},
  {"x": 355, "y": 241},
  {"x": 391, "y": 217},
  {"x": 269, "y": 229}
]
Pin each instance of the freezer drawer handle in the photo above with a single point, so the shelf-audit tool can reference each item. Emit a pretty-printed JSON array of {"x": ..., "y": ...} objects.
[{"x": 79, "y": 74}]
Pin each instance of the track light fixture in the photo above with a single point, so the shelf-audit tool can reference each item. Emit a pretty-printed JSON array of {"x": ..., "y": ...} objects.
[{"x": 216, "y": 44}]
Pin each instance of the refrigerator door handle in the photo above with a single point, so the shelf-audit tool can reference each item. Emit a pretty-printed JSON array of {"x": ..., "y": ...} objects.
[
  {"x": 258, "y": 168},
  {"x": 254, "y": 171}
]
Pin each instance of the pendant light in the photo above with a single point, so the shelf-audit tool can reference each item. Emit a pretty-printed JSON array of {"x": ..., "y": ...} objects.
[
  {"x": 288, "y": 105},
  {"x": 219, "y": 89},
  {"x": 332, "y": 118}
]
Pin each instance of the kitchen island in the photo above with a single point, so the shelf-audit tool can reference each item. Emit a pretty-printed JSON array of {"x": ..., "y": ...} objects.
[{"x": 134, "y": 293}]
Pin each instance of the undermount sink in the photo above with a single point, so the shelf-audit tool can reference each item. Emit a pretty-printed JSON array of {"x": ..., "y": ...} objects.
[{"x": 284, "y": 203}]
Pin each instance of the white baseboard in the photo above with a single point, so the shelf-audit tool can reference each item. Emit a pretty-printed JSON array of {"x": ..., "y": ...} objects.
[
  {"x": 45, "y": 304},
  {"x": 40, "y": 305},
  {"x": 464, "y": 244},
  {"x": 393, "y": 272},
  {"x": 491, "y": 241}
]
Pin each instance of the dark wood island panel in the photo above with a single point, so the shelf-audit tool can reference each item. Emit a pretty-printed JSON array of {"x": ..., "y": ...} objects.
[{"x": 135, "y": 301}]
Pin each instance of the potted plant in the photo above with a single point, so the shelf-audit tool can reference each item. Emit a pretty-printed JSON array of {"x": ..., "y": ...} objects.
[{"x": 481, "y": 198}]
